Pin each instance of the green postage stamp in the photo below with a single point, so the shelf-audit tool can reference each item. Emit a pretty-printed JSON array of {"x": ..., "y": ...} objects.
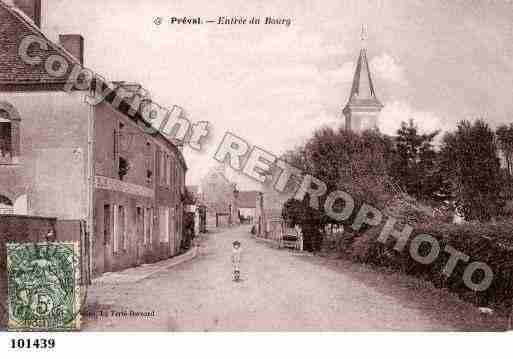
[{"x": 43, "y": 286}]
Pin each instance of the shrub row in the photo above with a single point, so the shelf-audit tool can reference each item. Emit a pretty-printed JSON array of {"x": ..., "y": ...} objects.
[{"x": 488, "y": 243}]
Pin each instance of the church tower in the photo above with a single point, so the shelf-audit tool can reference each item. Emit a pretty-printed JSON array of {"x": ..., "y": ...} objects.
[{"x": 363, "y": 108}]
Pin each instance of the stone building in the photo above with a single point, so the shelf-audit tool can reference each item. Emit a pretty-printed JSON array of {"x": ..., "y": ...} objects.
[{"x": 64, "y": 158}]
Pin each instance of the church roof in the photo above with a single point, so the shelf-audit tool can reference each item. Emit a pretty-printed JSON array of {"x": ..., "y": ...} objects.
[{"x": 362, "y": 90}]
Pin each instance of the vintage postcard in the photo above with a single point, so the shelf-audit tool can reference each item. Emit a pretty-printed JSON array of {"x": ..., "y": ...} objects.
[{"x": 244, "y": 166}]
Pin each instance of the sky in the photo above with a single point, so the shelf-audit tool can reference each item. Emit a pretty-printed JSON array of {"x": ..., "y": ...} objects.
[{"x": 273, "y": 85}]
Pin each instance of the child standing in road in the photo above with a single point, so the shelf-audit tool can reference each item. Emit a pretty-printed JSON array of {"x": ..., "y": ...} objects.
[{"x": 236, "y": 256}]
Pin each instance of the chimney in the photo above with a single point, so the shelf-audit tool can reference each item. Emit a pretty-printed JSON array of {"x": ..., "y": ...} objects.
[
  {"x": 74, "y": 44},
  {"x": 31, "y": 8}
]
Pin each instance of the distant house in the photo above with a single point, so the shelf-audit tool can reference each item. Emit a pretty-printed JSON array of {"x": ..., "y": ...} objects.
[
  {"x": 247, "y": 203},
  {"x": 218, "y": 194}
]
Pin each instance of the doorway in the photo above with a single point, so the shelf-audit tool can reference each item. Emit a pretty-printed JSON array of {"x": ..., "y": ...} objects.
[
  {"x": 139, "y": 237},
  {"x": 107, "y": 237}
]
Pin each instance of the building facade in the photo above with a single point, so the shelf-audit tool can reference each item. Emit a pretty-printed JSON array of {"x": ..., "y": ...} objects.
[
  {"x": 138, "y": 195},
  {"x": 61, "y": 157}
]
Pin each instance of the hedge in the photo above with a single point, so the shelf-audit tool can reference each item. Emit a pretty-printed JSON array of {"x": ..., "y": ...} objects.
[{"x": 488, "y": 243}]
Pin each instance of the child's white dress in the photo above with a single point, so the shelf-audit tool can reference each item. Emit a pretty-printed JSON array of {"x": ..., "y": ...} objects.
[{"x": 236, "y": 256}]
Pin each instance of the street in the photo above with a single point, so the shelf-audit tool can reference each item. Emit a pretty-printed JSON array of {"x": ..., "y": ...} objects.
[{"x": 280, "y": 291}]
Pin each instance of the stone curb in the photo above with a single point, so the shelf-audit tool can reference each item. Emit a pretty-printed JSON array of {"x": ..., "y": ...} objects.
[{"x": 134, "y": 275}]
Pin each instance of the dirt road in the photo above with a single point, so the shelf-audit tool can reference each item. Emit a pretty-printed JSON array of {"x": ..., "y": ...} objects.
[{"x": 279, "y": 290}]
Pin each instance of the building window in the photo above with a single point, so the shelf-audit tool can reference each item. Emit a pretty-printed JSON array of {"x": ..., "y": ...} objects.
[
  {"x": 163, "y": 168},
  {"x": 179, "y": 184},
  {"x": 157, "y": 166},
  {"x": 106, "y": 225},
  {"x": 164, "y": 224},
  {"x": 166, "y": 171},
  {"x": 145, "y": 226},
  {"x": 115, "y": 229},
  {"x": 122, "y": 138},
  {"x": 6, "y": 206},
  {"x": 148, "y": 225},
  {"x": 139, "y": 223},
  {"x": 172, "y": 173},
  {"x": 119, "y": 229},
  {"x": 178, "y": 177},
  {"x": 9, "y": 133},
  {"x": 124, "y": 218},
  {"x": 6, "y": 140},
  {"x": 121, "y": 145},
  {"x": 149, "y": 164},
  {"x": 173, "y": 226},
  {"x": 169, "y": 170},
  {"x": 123, "y": 169},
  {"x": 151, "y": 222}
]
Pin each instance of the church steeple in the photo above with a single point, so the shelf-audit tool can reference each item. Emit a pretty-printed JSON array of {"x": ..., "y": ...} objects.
[
  {"x": 362, "y": 81},
  {"x": 362, "y": 109}
]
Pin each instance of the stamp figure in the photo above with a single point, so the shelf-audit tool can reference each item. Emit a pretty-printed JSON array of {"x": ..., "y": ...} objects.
[{"x": 43, "y": 287}]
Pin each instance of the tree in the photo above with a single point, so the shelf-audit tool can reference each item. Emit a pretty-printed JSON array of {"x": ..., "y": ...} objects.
[
  {"x": 470, "y": 161},
  {"x": 505, "y": 142},
  {"x": 310, "y": 220},
  {"x": 348, "y": 161},
  {"x": 415, "y": 167}
]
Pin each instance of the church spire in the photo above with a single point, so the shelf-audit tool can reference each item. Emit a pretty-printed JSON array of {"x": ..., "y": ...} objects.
[
  {"x": 363, "y": 36},
  {"x": 363, "y": 107},
  {"x": 362, "y": 87},
  {"x": 362, "y": 82}
]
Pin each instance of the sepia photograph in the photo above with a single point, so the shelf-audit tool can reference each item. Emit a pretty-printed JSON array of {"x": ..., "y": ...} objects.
[{"x": 255, "y": 166}]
